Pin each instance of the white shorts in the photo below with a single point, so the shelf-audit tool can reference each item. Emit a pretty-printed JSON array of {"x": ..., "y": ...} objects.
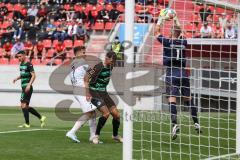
[{"x": 84, "y": 104}]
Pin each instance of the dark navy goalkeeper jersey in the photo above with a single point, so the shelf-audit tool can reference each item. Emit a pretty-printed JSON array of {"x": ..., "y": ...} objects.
[
  {"x": 173, "y": 52},
  {"x": 174, "y": 57}
]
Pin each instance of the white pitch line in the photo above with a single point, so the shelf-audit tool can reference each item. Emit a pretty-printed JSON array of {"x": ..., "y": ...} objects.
[
  {"x": 223, "y": 156},
  {"x": 26, "y": 130},
  {"x": 32, "y": 130}
]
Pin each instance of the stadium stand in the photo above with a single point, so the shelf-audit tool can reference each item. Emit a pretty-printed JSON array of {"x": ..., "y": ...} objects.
[{"x": 73, "y": 21}]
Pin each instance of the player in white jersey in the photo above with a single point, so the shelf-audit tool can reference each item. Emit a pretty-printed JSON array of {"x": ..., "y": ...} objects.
[{"x": 79, "y": 68}]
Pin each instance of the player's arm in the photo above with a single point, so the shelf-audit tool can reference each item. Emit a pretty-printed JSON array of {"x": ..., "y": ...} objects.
[
  {"x": 16, "y": 79},
  {"x": 86, "y": 83},
  {"x": 32, "y": 78}
]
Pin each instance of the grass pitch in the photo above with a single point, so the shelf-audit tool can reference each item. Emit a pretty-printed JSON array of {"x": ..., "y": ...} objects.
[{"x": 152, "y": 138}]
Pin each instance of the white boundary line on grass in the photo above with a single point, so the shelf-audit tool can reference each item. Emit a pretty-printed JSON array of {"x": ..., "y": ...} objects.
[
  {"x": 223, "y": 156},
  {"x": 26, "y": 130},
  {"x": 32, "y": 130}
]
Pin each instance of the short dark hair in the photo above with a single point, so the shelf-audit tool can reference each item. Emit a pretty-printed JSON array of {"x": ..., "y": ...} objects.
[
  {"x": 78, "y": 48},
  {"x": 111, "y": 55}
]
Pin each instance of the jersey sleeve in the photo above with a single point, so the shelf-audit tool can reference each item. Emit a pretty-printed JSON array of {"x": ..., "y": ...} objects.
[
  {"x": 162, "y": 39},
  {"x": 93, "y": 73},
  {"x": 30, "y": 67}
]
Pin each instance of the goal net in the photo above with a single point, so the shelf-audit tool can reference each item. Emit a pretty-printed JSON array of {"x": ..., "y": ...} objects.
[{"x": 211, "y": 64}]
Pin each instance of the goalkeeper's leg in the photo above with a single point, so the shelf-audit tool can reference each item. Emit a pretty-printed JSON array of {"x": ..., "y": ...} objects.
[{"x": 173, "y": 109}]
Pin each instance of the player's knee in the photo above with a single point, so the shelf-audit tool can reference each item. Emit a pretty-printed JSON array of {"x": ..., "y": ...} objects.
[{"x": 106, "y": 115}]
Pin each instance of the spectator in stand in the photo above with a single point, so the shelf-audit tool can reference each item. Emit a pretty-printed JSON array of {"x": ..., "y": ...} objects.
[
  {"x": 218, "y": 31},
  {"x": 205, "y": 12},
  {"x": 19, "y": 32},
  {"x": 230, "y": 31},
  {"x": 80, "y": 15},
  {"x": 18, "y": 46},
  {"x": 223, "y": 20},
  {"x": 93, "y": 2},
  {"x": 112, "y": 1},
  {"x": 17, "y": 15},
  {"x": 7, "y": 49},
  {"x": 92, "y": 16},
  {"x": 41, "y": 16},
  {"x": 60, "y": 50},
  {"x": 144, "y": 14},
  {"x": 206, "y": 31},
  {"x": 60, "y": 33},
  {"x": 77, "y": 31},
  {"x": 233, "y": 20},
  {"x": 7, "y": 34},
  {"x": 70, "y": 14},
  {"x": 61, "y": 15},
  {"x": 28, "y": 46},
  {"x": 3, "y": 12},
  {"x": 51, "y": 29},
  {"x": 32, "y": 13},
  {"x": 114, "y": 13},
  {"x": 103, "y": 15},
  {"x": 39, "y": 50}
]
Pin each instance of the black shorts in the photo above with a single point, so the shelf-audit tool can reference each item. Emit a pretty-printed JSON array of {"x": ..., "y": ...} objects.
[
  {"x": 26, "y": 97},
  {"x": 176, "y": 86},
  {"x": 100, "y": 99}
]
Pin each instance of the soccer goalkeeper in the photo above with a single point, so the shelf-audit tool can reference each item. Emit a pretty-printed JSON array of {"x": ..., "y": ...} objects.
[{"x": 177, "y": 80}]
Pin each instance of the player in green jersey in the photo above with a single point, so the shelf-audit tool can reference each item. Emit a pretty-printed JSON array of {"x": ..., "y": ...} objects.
[
  {"x": 27, "y": 76},
  {"x": 99, "y": 78}
]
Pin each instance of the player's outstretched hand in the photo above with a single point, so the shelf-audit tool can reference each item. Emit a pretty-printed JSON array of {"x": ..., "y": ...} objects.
[{"x": 14, "y": 80}]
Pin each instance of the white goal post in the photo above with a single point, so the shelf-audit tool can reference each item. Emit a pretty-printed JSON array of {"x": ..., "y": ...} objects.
[{"x": 128, "y": 119}]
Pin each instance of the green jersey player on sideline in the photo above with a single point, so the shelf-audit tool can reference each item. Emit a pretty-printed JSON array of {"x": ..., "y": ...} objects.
[{"x": 27, "y": 76}]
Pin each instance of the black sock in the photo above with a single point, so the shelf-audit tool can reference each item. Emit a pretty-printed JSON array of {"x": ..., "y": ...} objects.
[
  {"x": 34, "y": 112},
  {"x": 101, "y": 122},
  {"x": 193, "y": 110},
  {"x": 116, "y": 124},
  {"x": 173, "y": 109},
  {"x": 26, "y": 115}
]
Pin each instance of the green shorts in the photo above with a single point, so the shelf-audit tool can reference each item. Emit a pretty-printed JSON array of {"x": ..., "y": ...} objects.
[{"x": 26, "y": 97}]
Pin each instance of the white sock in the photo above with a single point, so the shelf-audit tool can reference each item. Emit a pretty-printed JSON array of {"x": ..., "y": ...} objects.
[
  {"x": 92, "y": 125},
  {"x": 80, "y": 122}
]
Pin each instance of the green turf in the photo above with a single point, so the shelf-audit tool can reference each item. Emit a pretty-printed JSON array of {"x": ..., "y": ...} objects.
[
  {"x": 151, "y": 138},
  {"x": 50, "y": 145}
]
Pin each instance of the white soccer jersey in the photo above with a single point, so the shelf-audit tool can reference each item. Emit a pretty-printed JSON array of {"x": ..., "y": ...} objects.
[{"x": 79, "y": 69}]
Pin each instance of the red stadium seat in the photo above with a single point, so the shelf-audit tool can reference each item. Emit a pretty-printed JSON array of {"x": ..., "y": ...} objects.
[
  {"x": 98, "y": 26},
  {"x": 3, "y": 61},
  {"x": 70, "y": 54},
  {"x": 109, "y": 26},
  {"x": 36, "y": 62},
  {"x": 6, "y": 24},
  {"x": 67, "y": 7},
  {"x": 120, "y": 7},
  {"x": 9, "y": 7},
  {"x": 47, "y": 43},
  {"x": 58, "y": 61},
  {"x": 17, "y": 7},
  {"x": 78, "y": 43},
  {"x": 77, "y": 8},
  {"x": 50, "y": 53},
  {"x": 55, "y": 42},
  {"x": 99, "y": 7},
  {"x": 46, "y": 61},
  {"x": 68, "y": 43},
  {"x": 14, "y": 61},
  {"x": 109, "y": 7}
]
